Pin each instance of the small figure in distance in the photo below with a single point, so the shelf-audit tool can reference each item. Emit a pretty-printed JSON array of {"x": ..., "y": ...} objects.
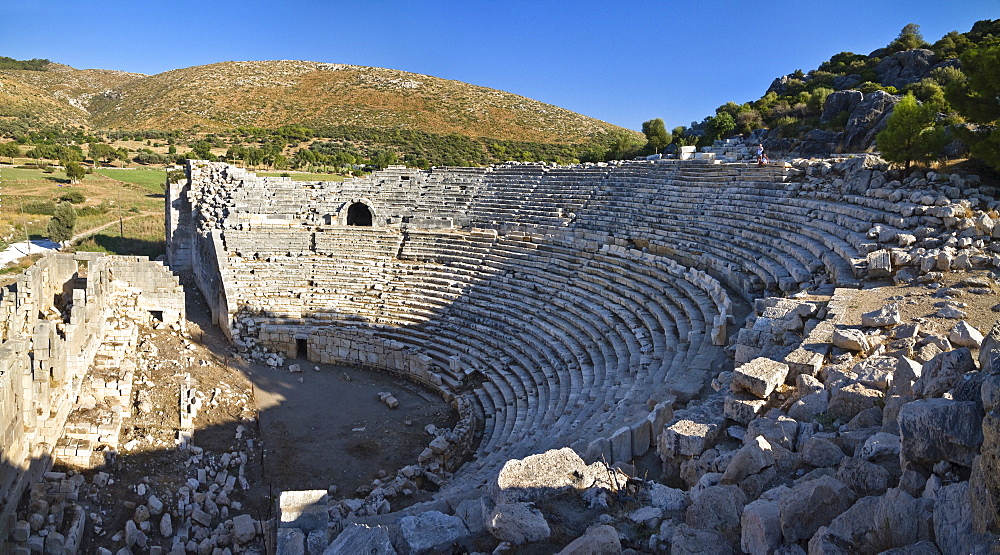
[{"x": 761, "y": 157}]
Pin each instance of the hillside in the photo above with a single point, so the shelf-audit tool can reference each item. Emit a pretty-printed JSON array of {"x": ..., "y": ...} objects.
[
  {"x": 841, "y": 105},
  {"x": 270, "y": 94}
]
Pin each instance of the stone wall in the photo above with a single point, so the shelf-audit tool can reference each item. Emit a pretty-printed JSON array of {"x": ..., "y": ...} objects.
[{"x": 53, "y": 320}]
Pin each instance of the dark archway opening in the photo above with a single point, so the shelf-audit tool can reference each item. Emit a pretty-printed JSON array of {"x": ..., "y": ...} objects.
[{"x": 359, "y": 214}]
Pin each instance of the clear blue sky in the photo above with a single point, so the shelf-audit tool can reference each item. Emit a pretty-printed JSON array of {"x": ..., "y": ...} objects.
[{"x": 623, "y": 62}]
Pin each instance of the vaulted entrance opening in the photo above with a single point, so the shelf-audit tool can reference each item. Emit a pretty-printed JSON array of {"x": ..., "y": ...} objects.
[{"x": 359, "y": 214}]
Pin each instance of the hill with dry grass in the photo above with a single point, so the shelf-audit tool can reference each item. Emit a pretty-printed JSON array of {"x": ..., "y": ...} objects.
[{"x": 269, "y": 94}]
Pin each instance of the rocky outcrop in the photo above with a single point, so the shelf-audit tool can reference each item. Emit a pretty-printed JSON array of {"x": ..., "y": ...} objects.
[
  {"x": 867, "y": 119},
  {"x": 905, "y": 68}
]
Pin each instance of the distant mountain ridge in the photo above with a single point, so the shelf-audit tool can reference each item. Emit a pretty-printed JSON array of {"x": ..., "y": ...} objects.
[{"x": 270, "y": 94}]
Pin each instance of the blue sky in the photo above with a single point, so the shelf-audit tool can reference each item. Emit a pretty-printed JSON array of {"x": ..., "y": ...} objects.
[{"x": 623, "y": 62}]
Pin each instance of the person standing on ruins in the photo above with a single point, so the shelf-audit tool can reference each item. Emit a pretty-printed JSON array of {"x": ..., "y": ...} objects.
[{"x": 761, "y": 157}]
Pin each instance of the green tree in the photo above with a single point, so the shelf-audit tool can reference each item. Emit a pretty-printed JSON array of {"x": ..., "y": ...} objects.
[
  {"x": 911, "y": 134},
  {"x": 623, "y": 146},
  {"x": 656, "y": 134},
  {"x": 60, "y": 227},
  {"x": 10, "y": 150},
  {"x": 908, "y": 39},
  {"x": 101, "y": 151},
  {"x": 75, "y": 172},
  {"x": 719, "y": 126},
  {"x": 975, "y": 99}
]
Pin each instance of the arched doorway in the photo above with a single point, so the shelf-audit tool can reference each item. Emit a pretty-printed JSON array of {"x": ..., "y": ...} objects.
[{"x": 359, "y": 214}]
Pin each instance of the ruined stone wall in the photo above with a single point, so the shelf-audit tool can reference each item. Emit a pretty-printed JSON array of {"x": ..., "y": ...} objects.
[{"x": 53, "y": 321}]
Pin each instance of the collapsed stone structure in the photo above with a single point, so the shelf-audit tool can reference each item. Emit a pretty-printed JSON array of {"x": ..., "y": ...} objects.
[{"x": 60, "y": 315}]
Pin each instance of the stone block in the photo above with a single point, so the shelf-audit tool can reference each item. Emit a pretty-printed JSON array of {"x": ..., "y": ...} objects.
[
  {"x": 760, "y": 527},
  {"x": 812, "y": 504},
  {"x": 932, "y": 430},
  {"x": 743, "y": 407},
  {"x": 291, "y": 541},
  {"x": 760, "y": 376},
  {"x": 432, "y": 532},
  {"x": 621, "y": 445}
]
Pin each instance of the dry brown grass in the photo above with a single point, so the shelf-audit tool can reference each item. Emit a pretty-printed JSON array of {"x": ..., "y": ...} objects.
[{"x": 273, "y": 93}]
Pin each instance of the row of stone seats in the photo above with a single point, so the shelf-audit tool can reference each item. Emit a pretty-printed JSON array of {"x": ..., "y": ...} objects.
[
  {"x": 726, "y": 221},
  {"x": 572, "y": 341}
]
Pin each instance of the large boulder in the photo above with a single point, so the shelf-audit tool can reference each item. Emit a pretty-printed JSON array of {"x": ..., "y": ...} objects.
[
  {"x": 932, "y": 430},
  {"x": 887, "y": 316},
  {"x": 536, "y": 476},
  {"x": 848, "y": 401},
  {"x": 812, "y": 504},
  {"x": 865, "y": 478},
  {"x": 750, "y": 459},
  {"x": 760, "y": 524}
]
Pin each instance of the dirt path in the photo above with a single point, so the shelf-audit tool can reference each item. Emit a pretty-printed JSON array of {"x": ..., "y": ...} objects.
[{"x": 84, "y": 234}]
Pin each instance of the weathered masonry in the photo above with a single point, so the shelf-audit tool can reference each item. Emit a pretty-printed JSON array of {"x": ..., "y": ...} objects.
[
  {"x": 53, "y": 322},
  {"x": 562, "y": 304}
]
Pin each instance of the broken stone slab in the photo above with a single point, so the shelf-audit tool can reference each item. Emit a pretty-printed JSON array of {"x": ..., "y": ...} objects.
[
  {"x": 536, "y": 476},
  {"x": 666, "y": 498},
  {"x": 303, "y": 509},
  {"x": 887, "y": 316},
  {"x": 942, "y": 373},
  {"x": 760, "y": 376},
  {"x": 876, "y": 371},
  {"x": 517, "y": 523},
  {"x": 688, "y": 438},
  {"x": 806, "y": 408},
  {"x": 812, "y": 504},
  {"x": 743, "y": 407},
  {"x": 432, "y": 532},
  {"x": 879, "y": 264},
  {"x": 932, "y": 430},
  {"x": 964, "y": 335},
  {"x": 853, "y": 340},
  {"x": 848, "y": 401},
  {"x": 750, "y": 459},
  {"x": 244, "y": 529},
  {"x": 760, "y": 527},
  {"x": 864, "y": 477},
  {"x": 291, "y": 541},
  {"x": 908, "y": 371},
  {"x": 599, "y": 538},
  {"x": 820, "y": 452},
  {"x": 718, "y": 508},
  {"x": 688, "y": 539},
  {"x": 879, "y": 445}
]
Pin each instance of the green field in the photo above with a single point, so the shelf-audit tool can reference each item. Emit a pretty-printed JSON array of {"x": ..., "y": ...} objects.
[
  {"x": 109, "y": 194},
  {"x": 151, "y": 179}
]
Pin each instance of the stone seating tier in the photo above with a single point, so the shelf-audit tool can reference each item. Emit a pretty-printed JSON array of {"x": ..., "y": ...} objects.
[{"x": 564, "y": 301}]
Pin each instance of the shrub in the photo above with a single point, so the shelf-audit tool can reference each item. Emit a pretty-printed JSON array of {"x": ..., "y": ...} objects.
[
  {"x": 92, "y": 210},
  {"x": 73, "y": 197},
  {"x": 45, "y": 207},
  {"x": 60, "y": 227}
]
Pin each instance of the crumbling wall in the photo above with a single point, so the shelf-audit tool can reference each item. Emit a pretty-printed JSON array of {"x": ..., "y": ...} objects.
[{"x": 53, "y": 320}]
